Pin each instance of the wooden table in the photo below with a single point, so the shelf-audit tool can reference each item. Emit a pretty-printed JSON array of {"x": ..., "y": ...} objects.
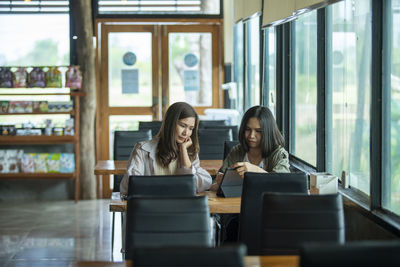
[
  {"x": 217, "y": 205},
  {"x": 250, "y": 261},
  {"x": 118, "y": 167}
]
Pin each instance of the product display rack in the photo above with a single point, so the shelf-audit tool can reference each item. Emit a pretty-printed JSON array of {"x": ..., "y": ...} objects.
[{"x": 33, "y": 140}]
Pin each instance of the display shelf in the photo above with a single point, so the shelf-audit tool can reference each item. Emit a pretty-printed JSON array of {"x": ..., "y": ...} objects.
[
  {"x": 72, "y": 93},
  {"x": 36, "y": 139},
  {"x": 72, "y": 113},
  {"x": 29, "y": 140},
  {"x": 37, "y": 175}
]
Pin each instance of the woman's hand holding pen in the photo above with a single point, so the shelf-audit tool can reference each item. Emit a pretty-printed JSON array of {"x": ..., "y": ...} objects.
[{"x": 242, "y": 167}]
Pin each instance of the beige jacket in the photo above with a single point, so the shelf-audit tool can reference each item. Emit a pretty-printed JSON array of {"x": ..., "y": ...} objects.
[{"x": 142, "y": 162}]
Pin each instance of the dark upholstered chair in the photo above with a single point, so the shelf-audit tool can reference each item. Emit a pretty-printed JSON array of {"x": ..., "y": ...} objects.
[
  {"x": 163, "y": 185},
  {"x": 354, "y": 254},
  {"x": 212, "y": 142},
  {"x": 254, "y": 185},
  {"x": 154, "y": 126},
  {"x": 124, "y": 142},
  {"x": 290, "y": 220},
  {"x": 208, "y": 123},
  {"x": 228, "y": 145},
  {"x": 167, "y": 222},
  {"x": 234, "y": 128},
  {"x": 226, "y": 256}
]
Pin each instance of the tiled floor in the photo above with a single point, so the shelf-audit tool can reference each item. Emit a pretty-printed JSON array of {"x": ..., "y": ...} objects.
[{"x": 55, "y": 233}]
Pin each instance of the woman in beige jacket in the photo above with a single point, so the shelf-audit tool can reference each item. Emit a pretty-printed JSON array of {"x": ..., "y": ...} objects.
[{"x": 173, "y": 151}]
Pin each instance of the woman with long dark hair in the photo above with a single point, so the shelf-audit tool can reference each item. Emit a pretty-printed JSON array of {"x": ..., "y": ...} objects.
[
  {"x": 173, "y": 151},
  {"x": 261, "y": 145}
]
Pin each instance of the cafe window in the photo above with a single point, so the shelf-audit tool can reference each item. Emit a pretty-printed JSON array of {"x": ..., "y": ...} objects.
[
  {"x": 151, "y": 7},
  {"x": 305, "y": 88},
  {"x": 351, "y": 69},
  {"x": 391, "y": 182}
]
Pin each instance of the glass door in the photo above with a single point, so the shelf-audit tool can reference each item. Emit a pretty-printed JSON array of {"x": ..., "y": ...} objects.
[
  {"x": 191, "y": 65},
  {"x": 127, "y": 84}
]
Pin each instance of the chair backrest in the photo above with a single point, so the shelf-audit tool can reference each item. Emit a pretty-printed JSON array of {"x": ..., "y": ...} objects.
[
  {"x": 235, "y": 131},
  {"x": 226, "y": 256},
  {"x": 254, "y": 185},
  {"x": 228, "y": 145},
  {"x": 361, "y": 253},
  {"x": 290, "y": 220},
  {"x": 162, "y": 185},
  {"x": 124, "y": 142},
  {"x": 154, "y": 126},
  {"x": 212, "y": 142},
  {"x": 204, "y": 123},
  {"x": 163, "y": 222}
]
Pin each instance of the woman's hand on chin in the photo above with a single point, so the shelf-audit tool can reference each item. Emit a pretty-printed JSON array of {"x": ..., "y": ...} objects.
[
  {"x": 187, "y": 143},
  {"x": 242, "y": 167}
]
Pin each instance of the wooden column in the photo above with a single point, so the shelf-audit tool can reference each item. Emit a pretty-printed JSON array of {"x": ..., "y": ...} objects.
[{"x": 82, "y": 16}]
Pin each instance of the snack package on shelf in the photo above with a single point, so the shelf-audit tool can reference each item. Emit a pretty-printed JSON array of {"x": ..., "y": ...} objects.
[
  {"x": 53, "y": 162},
  {"x": 35, "y": 132},
  {"x": 7, "y": 130},
  {"x": 35, "y": 106},
  {"x": 67, "y": 162},
  {"x": 28, "y": 106},
  {"x": 12, "y": 160},
  {"x": 6, "y": 77},
  {"x": 53, "y": 78},
  {"x": 37, "y": 78},
  {"x": 21, "y": 132},
  {"x": 4, "y": 107},
  {"x": 73, "y": 77},
  {"x": 41, "y": 162},
  {"x": 20, "y": 79},
  {"x": 60, "y": 106},
  {"x": 3, "y": 162},
  {"x": 16, "y": 107},
  {"x": 43, "y": 106},
  {"x": 48, "y": 130},
  {"x": 28, "y": 162},
  {"x": 69, "y": 127}
]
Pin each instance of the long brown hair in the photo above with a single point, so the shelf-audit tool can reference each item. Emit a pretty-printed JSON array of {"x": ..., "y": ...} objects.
[
  {"x": 167, "y": 149},
  {"x": 271, "y": 136}
]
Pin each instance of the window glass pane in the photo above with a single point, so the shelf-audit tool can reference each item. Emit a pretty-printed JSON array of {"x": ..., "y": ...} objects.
[
  {"x": 394, "y": 204},
  {"x": 34, "y": 40},
  {"x": 253, "y": 62},
  {"x": 305, "y": 98},
  {"x": 130, "y": 69},
  {"x": 238, "y": 64},
  {"x": 271, "y": 69},
  {"x": 177, "y": 7},
  {"x": 190, "y": 68},
  {"x": 351, "y": 64}
]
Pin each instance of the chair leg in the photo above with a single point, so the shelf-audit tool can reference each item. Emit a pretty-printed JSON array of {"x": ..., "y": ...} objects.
[
  {"x": 112, "y": 234},
  {"x": 216, "y": 230},
  {"x": 123, "y": 251}
]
